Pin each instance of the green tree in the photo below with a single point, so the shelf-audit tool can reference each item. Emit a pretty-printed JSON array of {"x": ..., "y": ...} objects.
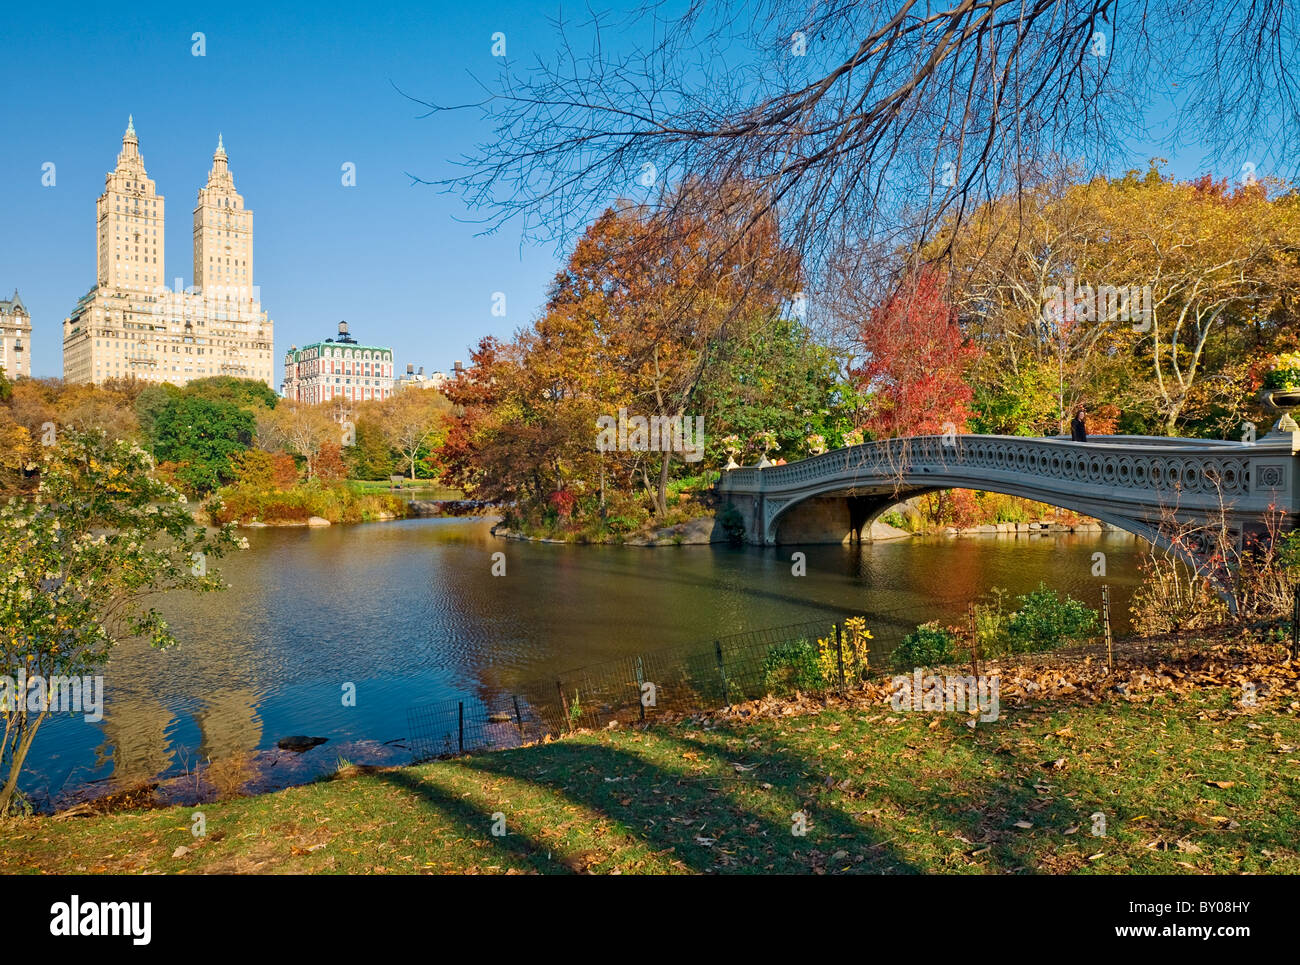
[
  {"x": 201, "y": 435},
  {"x": 1015, "y": 403},
  {"x": 245, "y": 393},
  {"x": 370, "y": 457},
  {"x": 775, "y": 378},
  {"x": 149, "y": 404},
  {"x": 80, "y": 560}
]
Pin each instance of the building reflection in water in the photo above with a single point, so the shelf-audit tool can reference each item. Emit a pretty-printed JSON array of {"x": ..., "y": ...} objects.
[{"x": 137, "y": 738}]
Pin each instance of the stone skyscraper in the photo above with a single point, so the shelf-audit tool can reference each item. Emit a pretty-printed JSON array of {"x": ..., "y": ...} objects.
[
  {"x": 131, "y": 324},
  {"x": 223, "y": 231},
  {"x": 15, "y": 337}
]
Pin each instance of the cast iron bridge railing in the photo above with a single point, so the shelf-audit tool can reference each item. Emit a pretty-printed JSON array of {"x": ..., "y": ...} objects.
[{"x": 1158, "y": 488}]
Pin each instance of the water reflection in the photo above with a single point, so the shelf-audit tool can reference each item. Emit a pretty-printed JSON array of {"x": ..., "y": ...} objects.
[{"x": 409, "y": 613}]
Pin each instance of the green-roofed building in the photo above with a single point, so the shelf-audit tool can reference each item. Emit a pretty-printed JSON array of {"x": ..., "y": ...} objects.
[{"x": 339, "y": 368}]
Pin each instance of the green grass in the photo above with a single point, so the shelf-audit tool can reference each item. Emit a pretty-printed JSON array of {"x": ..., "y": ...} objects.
[
  {"x": 424, "y": 488},
  {"x": 883, "y": 792}
]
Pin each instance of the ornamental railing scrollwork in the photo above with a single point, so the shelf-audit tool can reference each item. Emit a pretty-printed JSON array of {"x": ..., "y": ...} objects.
[{"x": 1137, "y": 468}]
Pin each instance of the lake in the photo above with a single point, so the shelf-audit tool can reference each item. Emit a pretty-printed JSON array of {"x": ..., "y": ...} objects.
[{"x": 408, "y": 612}]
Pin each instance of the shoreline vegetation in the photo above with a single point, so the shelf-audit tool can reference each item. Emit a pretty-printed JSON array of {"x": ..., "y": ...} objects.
[
  {"x": 320, "y": 504},
  {"x": 695, "y": 517},
  {"x": 1188, "y": 777}
]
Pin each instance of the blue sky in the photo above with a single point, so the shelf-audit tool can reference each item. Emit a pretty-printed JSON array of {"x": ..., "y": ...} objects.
[{"x": 295, "y": 94}]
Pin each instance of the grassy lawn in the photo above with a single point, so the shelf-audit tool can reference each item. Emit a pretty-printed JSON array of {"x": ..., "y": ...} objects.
[
  {"x": 425, "y": 488},
  {"x": 1187, "y": 781}
]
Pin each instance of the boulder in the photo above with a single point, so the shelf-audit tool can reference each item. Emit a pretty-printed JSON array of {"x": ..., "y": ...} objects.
[
  {"x": 701, "y": 530},
  {"x": 881, "y": 531},
  {"x": 299, "y": 743},
  {"x": 318, "y": 521}
]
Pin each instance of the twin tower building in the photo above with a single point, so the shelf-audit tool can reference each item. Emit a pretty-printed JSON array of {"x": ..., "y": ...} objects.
[{"x": 131, "y": 324}]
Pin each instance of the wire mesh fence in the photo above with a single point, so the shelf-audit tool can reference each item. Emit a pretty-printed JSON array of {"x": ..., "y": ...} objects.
[
  {"x": 452, "y": 727},
  {"x": 812, "y": 657}
]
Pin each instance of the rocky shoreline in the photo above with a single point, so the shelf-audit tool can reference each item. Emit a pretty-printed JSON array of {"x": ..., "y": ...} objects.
[
  {"x": 1040, "y": 528},
  {"x": 416, "y": 508},
  {"x": 706, "y": 530},
  {"x": 701, "y": 531}
]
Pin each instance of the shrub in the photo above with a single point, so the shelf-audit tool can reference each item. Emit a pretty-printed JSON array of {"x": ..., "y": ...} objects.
[
  {"x": 894, "y": 518},
  {"x": 927, "y": 645},
  {"x": 732, "y": 523},
  {"x": 1044, "y": 620},
  {"x": 793, "y": 665},
  {"x": 698, "y": 482},
  {"x": 562, "y": 502},
  {"x": 296, "y": 504},
  {"x": 1173, "y": 598}
]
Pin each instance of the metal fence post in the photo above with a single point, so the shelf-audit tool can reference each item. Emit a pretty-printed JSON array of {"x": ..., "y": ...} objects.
[
  {"x": 722, "y": 671},
  {"x": 460, "y": 725},
  {"x": 640, "y": 686},
  {"x": 565, "y": 722},
  {"x": 1105, "y": 619},
  {"x": 519, "y": 718},
  {"x": 1295, "y": 624}
]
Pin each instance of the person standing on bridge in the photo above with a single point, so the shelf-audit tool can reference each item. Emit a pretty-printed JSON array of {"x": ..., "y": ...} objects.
[{"x": 1078, "y": 425}]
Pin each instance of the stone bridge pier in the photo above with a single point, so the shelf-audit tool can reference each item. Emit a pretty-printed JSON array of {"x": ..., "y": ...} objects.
[{"x": 833, "y": 518}]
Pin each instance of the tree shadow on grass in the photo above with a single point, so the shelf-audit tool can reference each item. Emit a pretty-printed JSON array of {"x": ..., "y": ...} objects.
[
  {"x": 476, "y": 822},
  {"x": 1018, "y": 802},
  {"x": 694, "y": 818},
  {"x": 980, "y": 822},
  {"x": 707, "y": 800}
]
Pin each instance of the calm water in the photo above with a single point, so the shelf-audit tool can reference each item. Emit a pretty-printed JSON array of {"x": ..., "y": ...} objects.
[{"x": 409, "y": 612}]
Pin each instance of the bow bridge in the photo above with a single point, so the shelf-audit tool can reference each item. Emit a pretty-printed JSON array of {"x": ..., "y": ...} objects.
[{"x": 1182, "y": 494}]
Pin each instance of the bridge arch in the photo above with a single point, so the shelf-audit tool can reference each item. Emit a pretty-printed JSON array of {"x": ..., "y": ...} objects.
[
  {"x": 860, "y": 510},
  {"x": 1158, "y": 488}
]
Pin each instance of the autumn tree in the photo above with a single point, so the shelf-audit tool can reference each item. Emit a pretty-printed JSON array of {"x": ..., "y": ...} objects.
[
  {"x": 83, "y": 558},
  {"x": 472, "y": 395},
  {"x": 640, "y": 314},
  {"x": 1217, "y": 265},
  {"x": 412, "y": 420},
  {"x": 1219, "y": 260},
  {"x": 913, "y": 363},
  {"x": 301, "y": 428}
]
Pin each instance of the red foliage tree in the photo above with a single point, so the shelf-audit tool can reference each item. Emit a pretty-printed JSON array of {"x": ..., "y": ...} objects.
[
  {"x": 916, "y": 357},
  {"x": 472, "y": 395},
  {"x": 329, "y": 466},
  {"x": 284, "y": 472},
  {"x": 562, "y": 500}
]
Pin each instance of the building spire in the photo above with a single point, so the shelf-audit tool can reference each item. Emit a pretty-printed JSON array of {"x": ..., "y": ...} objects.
[
  {"x": 219, "y": 176},
  {"x": 130, "y": 142}
]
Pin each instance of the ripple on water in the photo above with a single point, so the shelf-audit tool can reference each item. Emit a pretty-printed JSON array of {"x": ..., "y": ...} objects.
[{"x": 409, "y": 613}]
